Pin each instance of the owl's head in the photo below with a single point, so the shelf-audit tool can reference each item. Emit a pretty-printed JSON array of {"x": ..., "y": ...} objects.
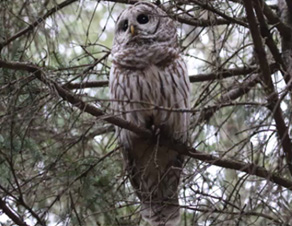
[{"x": 144, "y": 34}]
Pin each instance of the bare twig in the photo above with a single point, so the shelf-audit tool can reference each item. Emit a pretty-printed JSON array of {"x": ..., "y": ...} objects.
[
  {"x": 265, "y": 32},
  {"x": 268, "y": 84},
  {"x": 36, "y": 22},
  {"x": 206, "y": 5},
  {"x": 250, "y": 169},
  {"x": 289, "y": 5},
  {"x": 273, "y": 19},
  {"x": 233, "y": 94},
  {"x": 66, "y": 95},
  {"x": 223, "y": 73}
]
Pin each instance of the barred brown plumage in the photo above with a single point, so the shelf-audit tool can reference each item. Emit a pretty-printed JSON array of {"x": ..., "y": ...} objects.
[{"x": 147, "y": 70}]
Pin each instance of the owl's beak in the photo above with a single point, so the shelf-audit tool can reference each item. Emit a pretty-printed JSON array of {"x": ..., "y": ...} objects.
[{"x": 132, "y": 29}]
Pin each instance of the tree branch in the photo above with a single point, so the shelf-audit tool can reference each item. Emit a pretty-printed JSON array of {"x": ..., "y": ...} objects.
[
  {"x": 16, "y": 219},
  {"x": 201, "y": 22},
  {"x": 289, "y": 5},
  {"x": 191, "y": 21},
  {"x": 266, "y": 34},
  {"x": 233, "y": 94},
  {"x": 248, "y": 168},
  {"x": 183, "y": 149},
  {"x": 224, "y": 73},
  {"x": 273, "y": 19},
  {"x": 36, "y": 22},
  {"x": 75, "y": 101},
  {"x": 274, "y": 104},
  {"x": 206, "y": 5}
]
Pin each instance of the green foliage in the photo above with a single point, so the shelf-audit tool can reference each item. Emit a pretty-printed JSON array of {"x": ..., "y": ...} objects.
[{"x": 62, "y": 166}]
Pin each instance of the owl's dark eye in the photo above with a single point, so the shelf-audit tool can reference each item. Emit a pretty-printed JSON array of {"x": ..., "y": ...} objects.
[
  {"x": 125, "y": 25},
  {"x": 142, "y": 19}
]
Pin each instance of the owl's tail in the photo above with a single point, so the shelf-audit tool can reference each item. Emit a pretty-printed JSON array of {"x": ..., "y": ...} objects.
[
  {"x": 156, "y": 183},
  {"x": 161, "y": 214}
]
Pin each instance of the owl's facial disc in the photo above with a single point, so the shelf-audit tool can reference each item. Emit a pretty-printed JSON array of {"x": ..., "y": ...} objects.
[
  {"x": 137, "y": 24},
  {"x": 143, "y": 34}
]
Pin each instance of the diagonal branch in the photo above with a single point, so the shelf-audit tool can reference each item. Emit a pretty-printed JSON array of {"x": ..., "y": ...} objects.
[
  {"x": 231, "y": 95},
  {"x": 273, "y": 19},
  {"x": 75, "y": 101},
  {"x": 289, "y": 5},
  {"x": 274, "y": 104},
  {"x": 248, "y": 168},
  {"x": 266, "y": 34},
  {"x": 183, "y": 149},
  {"x": 16, "y": 219},
  {"x": 36, "y": 22}
]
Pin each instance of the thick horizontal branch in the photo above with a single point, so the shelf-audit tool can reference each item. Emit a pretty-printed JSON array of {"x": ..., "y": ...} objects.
[
  {"x": 250, "y": 169},
  {"x": 233, "y": 94},
  {"x": 224, "y": 73},
  {"x": 228, "y": 97},
  {"x": 202, "y": 22},
  {"x": 84, "y": 85},
  {"x": 75, "y": 101}
]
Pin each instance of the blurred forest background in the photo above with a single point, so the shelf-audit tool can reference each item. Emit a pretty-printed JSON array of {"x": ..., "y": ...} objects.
[{"x": 59, "y": 160}]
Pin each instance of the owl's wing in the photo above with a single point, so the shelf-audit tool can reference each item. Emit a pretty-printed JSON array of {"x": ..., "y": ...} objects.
[{"x": 154, "y": 170}]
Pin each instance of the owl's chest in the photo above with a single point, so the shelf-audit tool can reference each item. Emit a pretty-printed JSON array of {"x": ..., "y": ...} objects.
[
  {"x": 147, "y": 96},
  {"x": 151, "y": 86}
]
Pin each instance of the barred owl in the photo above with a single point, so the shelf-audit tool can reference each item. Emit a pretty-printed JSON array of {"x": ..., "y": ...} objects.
[{"x": 148, "y": 79}]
